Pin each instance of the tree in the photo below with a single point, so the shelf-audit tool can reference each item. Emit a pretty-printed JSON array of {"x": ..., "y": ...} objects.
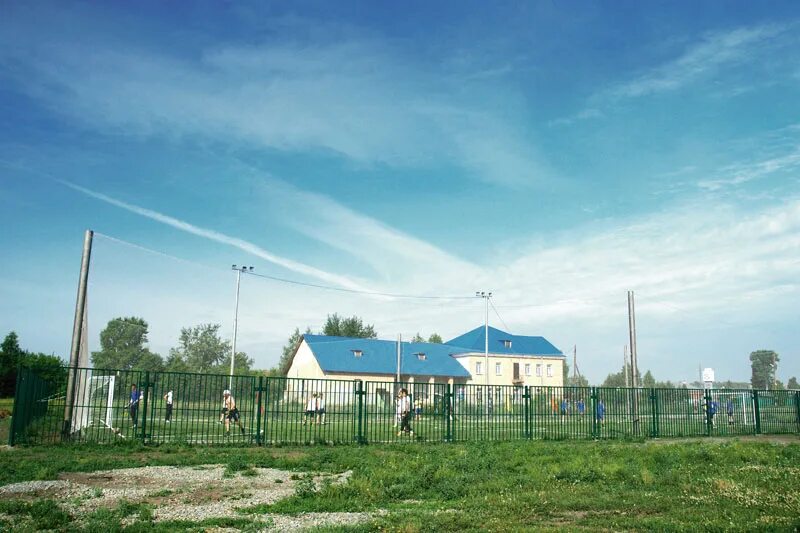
[
  {"x": 201, "y": 349},
  {"x": 565, "y": 372},
  {"x": 288, "y": 352},
  {"x": 578, "y": 381},
  {"x": 122, "y": 346},
  {"x": 417, "y": 338},
  {"x": 348, "y": 327},
  {"x": 648, "y": 381},
  {"x": 764, "y": 364},
  {"x": 10, "y": 357},
  {"x": 48, "y": 367},
  {"x": 792, "y": 383},
  {"x": 618, "y": 379},
  {"x": 242, "y": 364},
  {"x": 435, "y": 338}
]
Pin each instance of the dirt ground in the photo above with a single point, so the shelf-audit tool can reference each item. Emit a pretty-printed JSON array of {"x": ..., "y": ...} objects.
[{"x": 187, "y": 493}]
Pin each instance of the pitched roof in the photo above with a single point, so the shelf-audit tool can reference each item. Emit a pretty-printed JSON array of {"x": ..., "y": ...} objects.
[
  {"x": 335, "y": 354},
  {"x": 473, "y": 341}
]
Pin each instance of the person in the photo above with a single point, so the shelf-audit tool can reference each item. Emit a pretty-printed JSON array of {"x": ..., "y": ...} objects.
[
  {"x": 133, "y": 405},
  {"x": 417, "y": 409},
  {"x": 581, "y": 407},
  {"x": 168, "y": 399},
  {"x": 404, "y": 406},
  {"x": 231, "y": 412},
  {"x": 564, "y": 406},
  {"x": 712, "y": 410},
  {"x": 311, "y": 409},
  {"x": 601, "y": 412},
  {"x": 730, "y": 409},
  {"x": 398, "y": 413},
  {"x": 320, "y": 409}
]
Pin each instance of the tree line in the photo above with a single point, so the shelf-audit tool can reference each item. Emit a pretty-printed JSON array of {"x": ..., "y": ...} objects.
[{"x": 12, "y": 357}]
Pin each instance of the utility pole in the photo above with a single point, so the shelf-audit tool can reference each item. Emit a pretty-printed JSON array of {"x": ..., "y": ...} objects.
[
  {"x": 625, "y": 366},
  {"x": 634, "y": 360},
  {"x": 239, "y": 271},
  {"x": 77, "y": 331},
  {"x": 575, "y": 372},
  {"x": 399, "y": 354},
  {"x": 485, "y": 296}
]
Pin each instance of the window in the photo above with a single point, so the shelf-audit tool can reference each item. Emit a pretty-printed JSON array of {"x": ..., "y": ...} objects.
[
  {"x": 507, "y": 343},
  {"x": 549, "y": 371},
  {"x": 421, "y": 356},
  {"x": 357, "y": 353},
  {"x": 539, "y": 371},
  {"x": 527, "y": 369},
  {"x": 479, "y": 368},
  {"x": 498, "y": 369}
]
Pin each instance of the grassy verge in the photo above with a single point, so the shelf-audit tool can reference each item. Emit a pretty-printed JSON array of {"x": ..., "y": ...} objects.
[{"x": 730, "y": 484}]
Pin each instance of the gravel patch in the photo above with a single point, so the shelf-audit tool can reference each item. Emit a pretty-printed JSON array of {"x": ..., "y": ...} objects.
[{"x": 187, "y": 493}]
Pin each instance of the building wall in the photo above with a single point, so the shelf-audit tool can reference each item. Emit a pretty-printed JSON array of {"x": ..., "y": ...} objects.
[{"x": 553, "y": 378}]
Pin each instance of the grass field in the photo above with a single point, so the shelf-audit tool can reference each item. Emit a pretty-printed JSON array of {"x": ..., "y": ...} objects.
[{"x": 732, "y": 484}]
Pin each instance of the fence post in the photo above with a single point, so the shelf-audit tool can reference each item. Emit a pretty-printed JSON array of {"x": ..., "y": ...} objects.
[
  {"x": 655, "y": 413},
  {"x": 259, "y": 405},
  {"x": 144, "y": 406},
  {"x": 797, "y": 408},
  {"x": 359, "y": 390},
  {"x": 757, "y": 411},
  {"x": 17, "y": 407},
  {"x": 448, "y": 413},
  {"x": 594, "y": 412},
  {"x": 526, "y": 410}
]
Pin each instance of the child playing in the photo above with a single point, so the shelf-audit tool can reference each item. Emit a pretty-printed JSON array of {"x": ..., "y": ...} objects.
[
  {"x": 320, "y": 409},
  {"x": 311, "y": 409},
  {"x": 404, "y": 406}
]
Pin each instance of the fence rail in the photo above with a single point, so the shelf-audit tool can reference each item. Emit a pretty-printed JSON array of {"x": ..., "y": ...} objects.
[{"x": 162, "y": 407}]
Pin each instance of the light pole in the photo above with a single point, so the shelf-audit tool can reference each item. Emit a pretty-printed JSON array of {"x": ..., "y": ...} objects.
[{"x": 239, "y": 271}]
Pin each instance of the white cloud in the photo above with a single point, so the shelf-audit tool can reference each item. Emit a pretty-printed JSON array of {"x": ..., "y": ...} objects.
[
  {"x": 359, "y": 98},
  {"x": 216, "y": 236},
  {"x": 745, "y": 172}
]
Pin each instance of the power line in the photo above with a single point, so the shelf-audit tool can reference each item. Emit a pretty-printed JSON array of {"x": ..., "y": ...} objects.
[
  {"x": 498, "y": 315},
  {"x": 292, "y": 281}
]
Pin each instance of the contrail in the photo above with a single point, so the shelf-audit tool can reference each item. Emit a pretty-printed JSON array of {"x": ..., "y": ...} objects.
[{"x": 241, "y": 244}]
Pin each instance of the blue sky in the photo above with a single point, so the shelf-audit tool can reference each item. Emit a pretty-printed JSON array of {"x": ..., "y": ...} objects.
[{"x": 558, "y": 155}]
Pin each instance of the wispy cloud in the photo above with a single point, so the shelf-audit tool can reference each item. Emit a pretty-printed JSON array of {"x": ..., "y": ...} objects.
[
  {"x": 700, "y": 60},
  {"x": 742, "y": 173},
  {"x": 704, "y": 58},
  {"x": 222, "y": 238},
  {"x": 360, "y": 98}
]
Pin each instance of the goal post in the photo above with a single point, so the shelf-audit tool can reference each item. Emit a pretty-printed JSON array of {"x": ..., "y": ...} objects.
[{"x": 94, "y": 402}]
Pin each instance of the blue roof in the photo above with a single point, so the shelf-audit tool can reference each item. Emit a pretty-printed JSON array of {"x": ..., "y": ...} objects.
[
  {"x": 335, "y": 354},
  {"x": 473, "y": 341}
]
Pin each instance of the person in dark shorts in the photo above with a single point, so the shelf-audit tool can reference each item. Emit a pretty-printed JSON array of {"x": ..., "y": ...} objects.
[
  {"x": 404, "y": 406},
  {"x": 712, "y": 411},
  {"x": 581, "y": 407},
  {"x": 168, "y": 399},
  {"x": 133, "y": 405},
  {"x": 320, "y": 409},
  {"x": 231, "y": 412},
  {"x": 311, "y": 409},
  {"x": 601, "y": 412}
]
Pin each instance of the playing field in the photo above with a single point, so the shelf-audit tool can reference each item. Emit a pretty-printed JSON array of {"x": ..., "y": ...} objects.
[{"x": 738, "y": 484}]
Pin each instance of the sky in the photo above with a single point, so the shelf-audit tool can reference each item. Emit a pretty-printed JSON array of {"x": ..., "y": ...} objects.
[{"x": 556, "y": 154}]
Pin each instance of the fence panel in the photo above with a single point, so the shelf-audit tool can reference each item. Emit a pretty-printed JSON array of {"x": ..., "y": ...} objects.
[
  {"x": 623, "y": 413},
  {"x": 164, "y": 407},
  {"x": 487, "y": 412},
  {"x": 307, "y": 411},
  {"x": 778, "y": 410}
]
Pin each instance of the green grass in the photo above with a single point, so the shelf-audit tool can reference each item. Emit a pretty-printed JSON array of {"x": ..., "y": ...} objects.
[{"x": 731, "y": 484}]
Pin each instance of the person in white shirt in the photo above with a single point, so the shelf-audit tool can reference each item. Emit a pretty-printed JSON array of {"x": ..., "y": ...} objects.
[
  {"x": 320, "y": 409},
  {"x": 404, "y": 406},
  {"x": 311, "y": 409},
  {"x": 168, "y": 399}
]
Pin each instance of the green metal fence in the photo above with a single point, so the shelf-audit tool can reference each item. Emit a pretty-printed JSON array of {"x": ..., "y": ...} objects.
[{"x": 161, "y": 407}]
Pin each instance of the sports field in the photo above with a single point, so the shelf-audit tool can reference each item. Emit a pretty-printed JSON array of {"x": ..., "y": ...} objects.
[{"x": 745, "y": 484}]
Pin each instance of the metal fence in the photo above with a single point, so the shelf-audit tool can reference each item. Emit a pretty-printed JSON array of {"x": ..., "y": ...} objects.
[{"x": 161, "y": 407}]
